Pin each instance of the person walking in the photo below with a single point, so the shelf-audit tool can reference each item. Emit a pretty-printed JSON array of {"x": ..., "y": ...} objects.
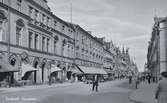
[
  {"x": 137, "y": 81},
  {"x": 161, "y": 91},
  {"x": 149, "y": 79},
  {"x": 95, "y": 83},
  {"x": 130, "y": 79},
  {"x": 50, "y": 80}
]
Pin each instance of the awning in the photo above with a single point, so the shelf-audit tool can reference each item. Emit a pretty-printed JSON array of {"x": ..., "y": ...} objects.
[
  {"x": 27, "y": 68},
  {"x": 75, "y": 70},
  {"x": 6, "y": 67},
  {"x": 109, "y": 71},
  {"x": 55, "y": 69},
  {"x": 92, "y": 70}
]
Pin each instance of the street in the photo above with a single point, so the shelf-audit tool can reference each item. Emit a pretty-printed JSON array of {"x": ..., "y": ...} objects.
[{"x": 109, "y": 92}]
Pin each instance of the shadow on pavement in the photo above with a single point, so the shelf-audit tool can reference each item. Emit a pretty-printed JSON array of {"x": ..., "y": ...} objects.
[{"x": 127, "y": 85}]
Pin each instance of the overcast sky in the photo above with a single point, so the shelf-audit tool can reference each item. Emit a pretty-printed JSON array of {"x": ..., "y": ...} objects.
[{"x": 127, "y": 22}]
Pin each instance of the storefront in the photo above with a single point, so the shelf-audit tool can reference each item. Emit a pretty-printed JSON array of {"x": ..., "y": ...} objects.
[
  {"x": 7, "y": 73},
  {"x": 55, "y": 74},
  {"x": 89, "y": 72},
  {"x": 27, "y": 73}
]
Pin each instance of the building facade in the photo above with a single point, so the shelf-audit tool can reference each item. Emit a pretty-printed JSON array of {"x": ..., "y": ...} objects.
[
  {"x": 36, "y": 42},
  {"x": 157, "y": 49},
  {"x": 31, "y": 34},
  {"x": 88, "y": 50}
]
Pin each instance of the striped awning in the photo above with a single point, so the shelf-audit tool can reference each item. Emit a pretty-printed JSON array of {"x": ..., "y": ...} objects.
[{"x": 92, "y": 70}]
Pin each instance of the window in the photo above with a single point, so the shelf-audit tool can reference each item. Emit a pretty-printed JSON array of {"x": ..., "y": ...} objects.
[
  {"x": 63, "y": 27},
  {"x": 55, "y": 23},
  {"x": 56, "y": 38},
  {"x": 36, "y": 41},
  {"x": 1, "y": 30},
  {"x": 43, "y": 17},
  {"x": 43, "y": 43},
  {"x": 18, "y": 35},
  {"x": 47, "y": 22},
  {"x": 19, "y": 5},
  {"x": 30, "y": 11},
  {"x": 30, "y": 39},
  {"x": 19, "y": 30},
  {"x": 55, "y": 50},
  {"x": 36, "y": 15},
  {"x": 48, "y": 44},
  {"x": 82, "y": 39}
]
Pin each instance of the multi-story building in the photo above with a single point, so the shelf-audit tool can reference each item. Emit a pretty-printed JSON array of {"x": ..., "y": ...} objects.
[
  {"x": 31, "y": 35},
  {"x": 37, "y": 44},
  {"x": 157, "y": 49},
  {"x": 89, "y": 51}
]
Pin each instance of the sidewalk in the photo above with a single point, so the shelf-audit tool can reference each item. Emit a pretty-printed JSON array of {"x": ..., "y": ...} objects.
[
  {"x": 34, "y": 87},
  {"x": 145, "y": 93}
]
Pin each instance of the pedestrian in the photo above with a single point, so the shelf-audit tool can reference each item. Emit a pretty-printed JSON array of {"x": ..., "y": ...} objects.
[
  {"x": 161, "y": 91},
  {"x": 130, "y": 79},
  {"x": 149, "y": 79},
  {"x": 50, "y": 79},
  {"x": 137, "y": 81},
  {"x": 95, "y": 83}
]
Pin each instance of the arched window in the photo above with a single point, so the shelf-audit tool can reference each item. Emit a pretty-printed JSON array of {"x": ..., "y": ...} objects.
[
  {"x": 19, "y": 30},
  {"x": 3, "y": 18}
]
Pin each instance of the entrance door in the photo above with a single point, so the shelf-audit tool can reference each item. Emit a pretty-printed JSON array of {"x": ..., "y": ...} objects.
[
  {"x": 43, "y": 67},
  {"x": 35, "y": 72}
]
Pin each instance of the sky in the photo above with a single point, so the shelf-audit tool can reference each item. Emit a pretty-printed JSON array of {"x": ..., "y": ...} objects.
[{"x": 128, "y": 23}]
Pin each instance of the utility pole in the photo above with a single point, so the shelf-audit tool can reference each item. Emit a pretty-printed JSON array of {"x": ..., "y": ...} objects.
[
  {"x": 8, "y": 40},
  {"x": 71, "y": 13}
]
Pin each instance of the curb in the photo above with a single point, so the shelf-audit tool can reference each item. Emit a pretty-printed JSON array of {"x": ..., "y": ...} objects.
[{"x": 44, "y": 87}]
